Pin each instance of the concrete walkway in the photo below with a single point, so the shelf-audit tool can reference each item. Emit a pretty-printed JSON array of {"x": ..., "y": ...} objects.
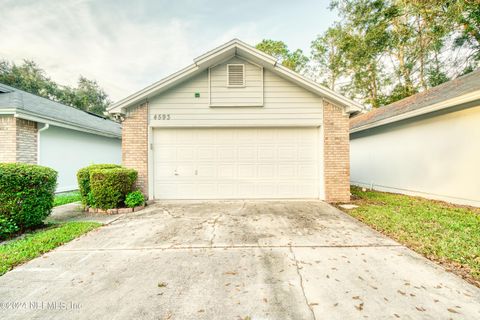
[{"x": 235, "y": 260}]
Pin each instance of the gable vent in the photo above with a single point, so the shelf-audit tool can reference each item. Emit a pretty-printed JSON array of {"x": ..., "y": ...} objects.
[{"x": 235, "y": 75}]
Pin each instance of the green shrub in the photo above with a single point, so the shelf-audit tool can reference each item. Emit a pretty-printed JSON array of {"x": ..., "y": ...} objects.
[
  {"x": 134, "y": 199},
  {"x": 90, "y": 199},
  {"x": 7, "y": 227},
  {"x": 110, "y": 186},
  {"x": 83, "y": 178},
  {"x": 26, "y": 196}
]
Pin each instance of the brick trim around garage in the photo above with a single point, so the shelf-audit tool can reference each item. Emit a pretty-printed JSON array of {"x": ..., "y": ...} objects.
[
  {"x": 336, "y": 153},
  {"x": 135, "y": 144}
]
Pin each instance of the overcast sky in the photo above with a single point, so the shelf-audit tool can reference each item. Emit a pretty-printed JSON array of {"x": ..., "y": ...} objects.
[{"x": 126, "y": 45}]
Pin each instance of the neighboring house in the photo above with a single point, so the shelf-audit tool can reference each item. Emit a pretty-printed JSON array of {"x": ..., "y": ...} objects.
[
  {"x": 426, "y": 145},
  {"x": 40, "y": 131},
  {"x": 237, "y": 125}
]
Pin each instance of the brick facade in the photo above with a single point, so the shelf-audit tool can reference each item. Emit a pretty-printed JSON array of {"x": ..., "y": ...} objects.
[
  {"x": 135, "y": 144},
  {"x": 18, "y": 140},
  {"x": 8, "y": 145},
  {"x": 26, "y": 141},
  {"x": 336, "y": 153}
]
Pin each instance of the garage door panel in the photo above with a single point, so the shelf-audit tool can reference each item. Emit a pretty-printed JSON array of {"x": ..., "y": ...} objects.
[
  {"x": 247, "y": 153},
  {"x": 164, "y": 154},
  {"x": 246, "y": 171},
  {"x": 233, "y": 163},
  {"x": 226, "y": 171},
  {"x": 205, "y": 153},
  {"x": 305, "y": 153},
  {"x": 266, "y": 171},
  {"x": 185, "y": 153},
  {"x": 305, "y": 171},
  {"x": 206, "y": 171},
  {"x": 287, "y": 171},
  {"x": 266, "y": 153},
  {"x": 226, "y": 153},
  {"x": 286, "y": 189}
]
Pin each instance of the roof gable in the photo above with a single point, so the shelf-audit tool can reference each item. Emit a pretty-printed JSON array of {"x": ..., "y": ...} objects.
[{"x": 230, "y": 49}]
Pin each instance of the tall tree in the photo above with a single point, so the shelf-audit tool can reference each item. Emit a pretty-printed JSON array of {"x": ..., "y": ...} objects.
[
  {"x": 328, "y": 53},
  {"x": 294, "y": 60},
  {"x": 28, "y": 77},
  {"x": 363, "y": 42},
  {"x": 87, "y": 96},
  {"x": 395, "y": 48}
]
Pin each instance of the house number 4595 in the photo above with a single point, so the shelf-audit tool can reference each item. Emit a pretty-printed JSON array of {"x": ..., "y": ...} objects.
[{"x": 161, "y": 116}]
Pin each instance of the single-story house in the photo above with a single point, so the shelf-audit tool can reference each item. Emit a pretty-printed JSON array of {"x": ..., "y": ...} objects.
[
  {"x": 426, "y": 145},
  {"x": 40, "y": 131},
  {"x": 236, "y": 124}
]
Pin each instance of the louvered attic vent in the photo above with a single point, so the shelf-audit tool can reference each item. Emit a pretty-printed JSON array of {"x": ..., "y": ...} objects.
[{"x": 235, "y": 75}]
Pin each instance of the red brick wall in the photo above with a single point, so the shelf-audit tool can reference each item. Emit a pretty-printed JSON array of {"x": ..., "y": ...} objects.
[
  {"x": 135, "y": 144},
  {"x": 336, "y": 153}
]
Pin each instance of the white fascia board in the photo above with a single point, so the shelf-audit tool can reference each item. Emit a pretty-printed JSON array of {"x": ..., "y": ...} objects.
[
  {"x": 120, "y": 106},
  {"x": 7, "y": 111},
  {"x": 31, "y": 117},
  {"x": 466, "y": 98},
  {"x": 235, "y": 44}
]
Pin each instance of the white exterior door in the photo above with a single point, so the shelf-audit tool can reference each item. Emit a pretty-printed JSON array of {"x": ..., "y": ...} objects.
[{"x": 236, "y": 163}]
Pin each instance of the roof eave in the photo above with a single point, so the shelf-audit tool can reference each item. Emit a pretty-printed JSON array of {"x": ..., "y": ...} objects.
[
  {"x": 466, "y": 98},
  {"x": 22, "y": 114}
]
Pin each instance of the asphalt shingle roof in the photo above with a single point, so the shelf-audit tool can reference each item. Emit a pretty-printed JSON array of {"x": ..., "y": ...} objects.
[
  {"x": 19, "y": 100},
  {"x": 448, "y": 90}
]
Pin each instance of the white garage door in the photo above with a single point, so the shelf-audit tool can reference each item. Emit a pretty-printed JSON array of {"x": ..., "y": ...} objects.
[{"x": 236, "y": 163}]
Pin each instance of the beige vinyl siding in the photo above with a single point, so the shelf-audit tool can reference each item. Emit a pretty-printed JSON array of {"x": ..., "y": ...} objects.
[{"x": 284, "y": 104}]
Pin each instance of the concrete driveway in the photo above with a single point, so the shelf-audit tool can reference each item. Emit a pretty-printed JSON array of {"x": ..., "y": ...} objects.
[{"x": 235, "y": 260}]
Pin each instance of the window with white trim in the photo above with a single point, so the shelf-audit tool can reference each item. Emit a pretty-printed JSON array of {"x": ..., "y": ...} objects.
[{"x": 235, "y": 75}]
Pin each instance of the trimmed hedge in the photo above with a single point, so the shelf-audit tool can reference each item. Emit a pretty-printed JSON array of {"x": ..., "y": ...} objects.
[
  {"x": 109, "y": 187},
  {"x": 26, "y": 196},
  {"x": 83, "y": 178}
]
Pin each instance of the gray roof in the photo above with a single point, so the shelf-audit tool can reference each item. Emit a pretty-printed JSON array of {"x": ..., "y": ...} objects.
[
  {"x": 25, "y": 104},
  {"x": 454, "y": 88}
]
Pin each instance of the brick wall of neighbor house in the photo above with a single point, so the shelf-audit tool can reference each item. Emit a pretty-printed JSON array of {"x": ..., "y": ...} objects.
[
  {"x": 135, "y": 144},
  {"x": 26, "y": 141},
  {"x": 336, "y": 153},
  {"x": 18, "y": 140},
  {"x": 8, "y": 147}
]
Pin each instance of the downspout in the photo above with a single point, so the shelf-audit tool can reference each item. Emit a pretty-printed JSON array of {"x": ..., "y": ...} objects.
[{"x": 45, "y": 127}]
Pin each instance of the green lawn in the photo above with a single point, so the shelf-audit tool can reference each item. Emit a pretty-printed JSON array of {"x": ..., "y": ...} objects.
[
  {"x": 20, "y": 250},
  {"x": 67, "y": 197},
  {"x": 440, "y": 231}
]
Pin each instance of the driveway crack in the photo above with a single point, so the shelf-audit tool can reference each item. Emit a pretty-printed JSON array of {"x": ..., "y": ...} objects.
[
  {"x": 301, "y": 283},
  {"x": 214, "y": 229}
]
